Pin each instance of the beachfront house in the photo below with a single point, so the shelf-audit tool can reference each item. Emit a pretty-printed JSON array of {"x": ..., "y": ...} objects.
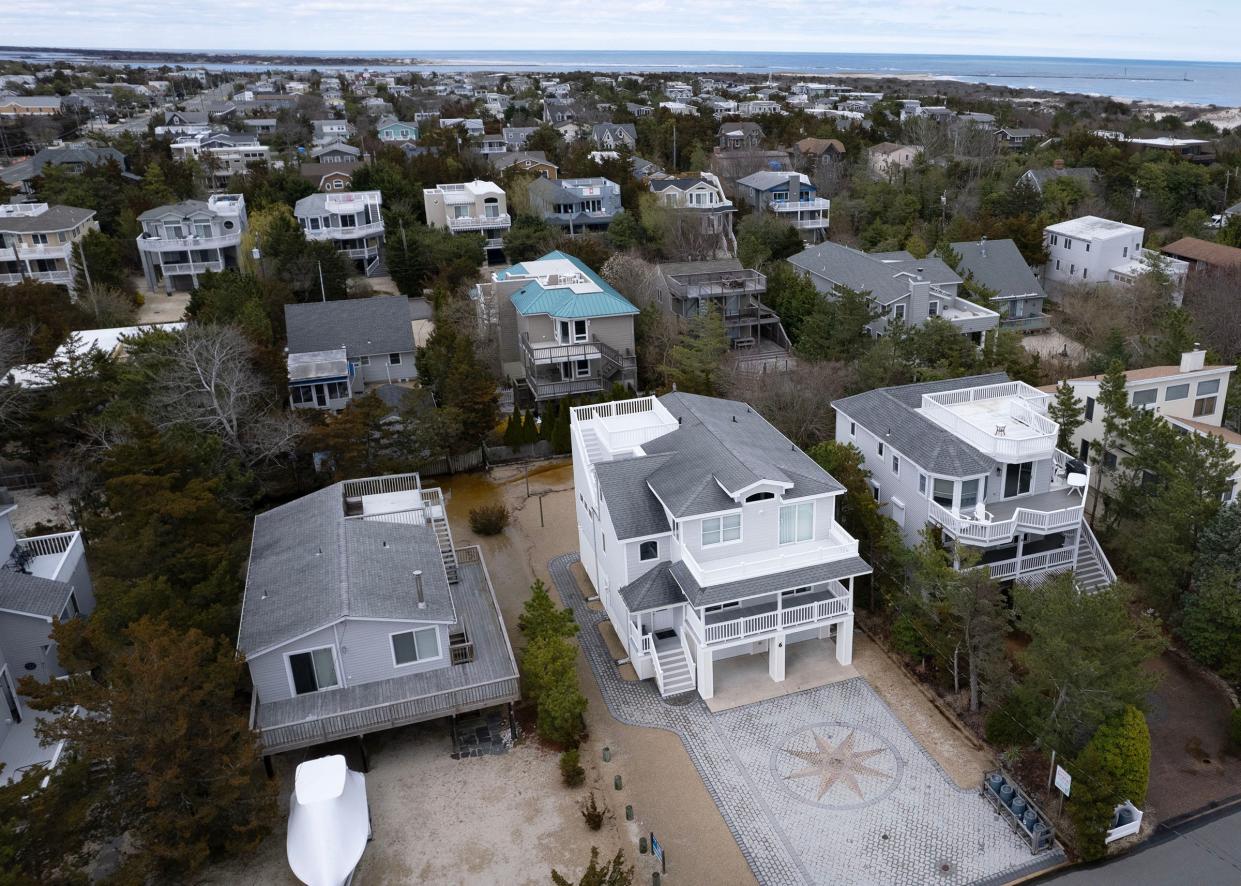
[{"x": 709, "y": 538}]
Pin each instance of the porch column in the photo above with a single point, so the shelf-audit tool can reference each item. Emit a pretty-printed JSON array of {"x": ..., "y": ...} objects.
[
  {"x": 775, "y": 657},
  {"x": 1077, "y": 543},
  {"x": 1021, "y": 539},
  {"x": 844, "y": 640},
  {"x": 706, "y": 679}
]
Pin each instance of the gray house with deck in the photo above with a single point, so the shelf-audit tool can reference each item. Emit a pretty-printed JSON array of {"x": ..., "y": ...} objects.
[{"x": 360, "y": 615}]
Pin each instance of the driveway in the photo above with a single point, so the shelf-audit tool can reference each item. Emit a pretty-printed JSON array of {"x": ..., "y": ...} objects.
[{"x": 821, "y": 786}]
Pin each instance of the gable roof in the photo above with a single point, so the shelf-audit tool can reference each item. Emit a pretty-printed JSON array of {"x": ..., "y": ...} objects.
[
  {"x": 892, "y": 415},
  {"x": 652, "y": 590},
  {"x": 586, "y": 296},
  {"x": 812, "y": 145},
  {"x": 766, "y": 179},
  {"x": 363, "y": 326},
  {"x": 722, "y": 447},
  {"x": 634, "y": 510},
  {"x": 998, "y": 265},
  {"x": 56, "y": 218},
  {"x": 32, "y": 595},
  {"x": 885, "y": 278},
  {"x": 310, "y": 567}
]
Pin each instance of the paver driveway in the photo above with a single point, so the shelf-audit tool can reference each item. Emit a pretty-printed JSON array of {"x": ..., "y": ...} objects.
[{"x": 822, "y": 786}]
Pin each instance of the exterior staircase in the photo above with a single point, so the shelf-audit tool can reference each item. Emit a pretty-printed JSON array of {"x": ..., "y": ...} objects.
[
  {"x": 433, "y": 502},
  {"x": 674, "y": 672},
  {"x": 595, "y": 450},
  {"x": 1093, "y": 571}
]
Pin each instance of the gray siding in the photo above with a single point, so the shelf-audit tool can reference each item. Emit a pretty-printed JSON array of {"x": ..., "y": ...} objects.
[
  {"x": 760, "y": 530},
  {"x": 22, "y": 638}
]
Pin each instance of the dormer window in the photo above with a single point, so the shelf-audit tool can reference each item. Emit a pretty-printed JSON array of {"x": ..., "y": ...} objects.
[{"x": 760, "y": 496}]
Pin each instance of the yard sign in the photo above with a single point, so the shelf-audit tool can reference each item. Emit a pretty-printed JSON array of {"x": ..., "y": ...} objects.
[{"x": 1063, "y": 780}]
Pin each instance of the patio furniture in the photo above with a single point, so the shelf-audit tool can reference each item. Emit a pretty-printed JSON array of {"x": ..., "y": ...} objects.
[
  {"x": 1001, "y": 430},
  {"x": 1077, "y": 483}
]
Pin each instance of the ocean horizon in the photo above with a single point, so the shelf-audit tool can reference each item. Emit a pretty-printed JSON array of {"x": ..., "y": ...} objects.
[{"x": 1170, "y": 82}]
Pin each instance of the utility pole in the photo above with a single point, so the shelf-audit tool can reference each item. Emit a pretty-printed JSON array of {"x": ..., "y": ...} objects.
[{"x": 90, "y": 287}]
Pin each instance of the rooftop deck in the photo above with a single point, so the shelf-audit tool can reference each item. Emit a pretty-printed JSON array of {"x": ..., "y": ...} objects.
[
  {"x": 489, "y": 679},
  {"x": 1004, "y": 421}
]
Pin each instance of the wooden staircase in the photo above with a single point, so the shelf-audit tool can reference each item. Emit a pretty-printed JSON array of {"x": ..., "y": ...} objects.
[
  {"x": 437, "y": 517},
  {"x": 674, "y": 672}
]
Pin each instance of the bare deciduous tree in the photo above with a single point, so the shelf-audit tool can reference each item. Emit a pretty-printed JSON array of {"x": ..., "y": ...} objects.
[
  {"x": 108, "y": 306},
  {"x": 1211, "y": 298},
  {"x": 209, "y": 384},
  {"x": 798, "y": 402}
]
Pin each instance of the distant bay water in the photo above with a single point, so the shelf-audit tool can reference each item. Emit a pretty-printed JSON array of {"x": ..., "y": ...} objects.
[{"x": 1172, "y": 82}]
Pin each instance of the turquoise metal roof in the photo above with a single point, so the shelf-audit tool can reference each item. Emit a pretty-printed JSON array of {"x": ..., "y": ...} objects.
[{"x": 562, "y": 301}]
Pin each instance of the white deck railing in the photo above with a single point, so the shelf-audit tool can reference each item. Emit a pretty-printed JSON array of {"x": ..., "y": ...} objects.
[
  {"x": 639, "y": 643},
  {"x": 63, "y": 550},
  {"x": 381, "y": 485},
  {"x": 837, "y": 546},
  {"x": 995, "y": 443},
  {"x": 990, "y": 531},
  {"x": 764, "y": 623},
  {"x": 1033, "y": 563}
]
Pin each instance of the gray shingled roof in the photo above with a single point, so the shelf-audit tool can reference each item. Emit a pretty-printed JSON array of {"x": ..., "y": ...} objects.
[
  {"x": 363, "y": 326},
  {"x": 766, "y": 179},
  {"x": 57, "y": 218},
  {"x": 32, "y": 595},
  {"x": 652, "y": 590},
  {"x": 184, "y": 209},
  {"x": 724, "y": 444},
  {"x": 892, "y": 414},
  {"x": 998, "y": 265},
  {"x": 883, "y": 279},
  {"x": 634, "y": 509},
  {"x": 764, "y": 584},
  {"x": 311, "y": 567},
  {"x": 84, "y": 154}
]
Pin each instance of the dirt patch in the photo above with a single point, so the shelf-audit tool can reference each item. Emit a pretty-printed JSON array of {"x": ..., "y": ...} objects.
[
  {"x": 158, "y": 307},
  {"x": 1188, "y": 719}
]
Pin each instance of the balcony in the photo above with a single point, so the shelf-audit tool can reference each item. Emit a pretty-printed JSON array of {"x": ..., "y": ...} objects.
[
  {"x": 10, "y": 279},
  {"x": 53, "y": 557},
  {"x": 191, "y": 267},
  {"x": 8, "y": 254},
  {"x": 1026, "y": 324},
  {"x": 150, "y": 243},
  {"x": 1003, "y": 421},
  {"x": 622, "y": 425},
  {"x": 837, "y": 546},
  {"x": 717, "y": 283},
  {"x": 350, "y": 232},
  {"x": 826, "y": 603},
  {"x": 463, "y": 223},
  {"x": 1053, "y": 561},
  {"x": 47, "y": 250}
]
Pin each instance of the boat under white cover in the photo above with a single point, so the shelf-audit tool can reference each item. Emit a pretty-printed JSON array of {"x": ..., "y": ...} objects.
[{"x": 329, "y": 822}]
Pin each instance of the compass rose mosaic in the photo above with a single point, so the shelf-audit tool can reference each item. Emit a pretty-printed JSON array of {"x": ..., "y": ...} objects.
[{"x": 837, "y": 766}]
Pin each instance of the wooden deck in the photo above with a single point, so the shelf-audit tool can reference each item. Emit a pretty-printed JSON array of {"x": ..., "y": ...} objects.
[{"x": 490, "y": 679}]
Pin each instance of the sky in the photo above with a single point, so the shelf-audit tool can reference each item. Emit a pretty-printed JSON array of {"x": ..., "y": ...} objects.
[{"x": 1132, "y": 29}]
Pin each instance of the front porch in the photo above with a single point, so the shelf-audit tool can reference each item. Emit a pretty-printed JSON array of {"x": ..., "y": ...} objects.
[{"x": 746, "y": 679}]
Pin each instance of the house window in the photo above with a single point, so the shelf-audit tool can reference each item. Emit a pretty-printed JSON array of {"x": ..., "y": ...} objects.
[
  {"x": 796, "y": 523},
  {"x": 394, "y": 359},
  {"x": 760, "y": 496},
  {"x": 337, "y": 390},
  {"x": 1089, "y": 413},
  {"x": 1109, "y": 460},
  {"x": 365, "y": 360},
  {"x": 581, "y": 368},
  {"x": 1176, "y": 392},
  {"x": 1083, "y": 452},
  {"x": 313, "y": 671},
  {"x": 303, "y": 394},
  {"x": 1145, "y": 398},
  {"x": 1124, "y": 252},
  {"x": 717, "y": 530},
  {"x": 1068, "y": 244},
  {"x": 1204, "y": 406},
  {"x": 422, "y": 644},
  {"x": 648, "y": 550},
  {"x": 71, "y": 609},
  {"x": 1087, "y": 247},
  {"x": 922, "y": 484},
  {"x": 898, "y": 311},
  {"x": 896, "y": 465},
  {"x": 1017, "y": 478},
  {"x": 1057, "y": 264},
  {"x": 969, "y": 493},
  {"x": 942, "y": 491},
  {"x": 852, "y": 429},
  {"x": 880, "y": 449},
  {"x": 875, "y": 490},
  {"x": 1208, "y": 387},
  {"x": 1072, "y": 269}
]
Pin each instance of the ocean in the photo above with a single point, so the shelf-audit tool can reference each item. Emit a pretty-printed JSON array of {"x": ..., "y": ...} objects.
[{"x": 1171, "y": 82}]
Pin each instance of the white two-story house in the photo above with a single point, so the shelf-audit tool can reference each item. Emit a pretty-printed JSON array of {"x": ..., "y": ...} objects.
[
  {"x": 350, "y": 220},
  {"x": 42, "y": 579},
  {"x": 977, "y": 457},
  {"x": 1098, "y": 250},
  {"x": 703, "y": 196},
  {"x": 183, "y": 240},
  {"x": 790, "y": 197},
  {"x": 708, "y": 536},
  {"x": 360, "y": 615}
]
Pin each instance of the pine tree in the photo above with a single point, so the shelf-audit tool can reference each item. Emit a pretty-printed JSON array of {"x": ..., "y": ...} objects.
[
  {"x": 694, "y": 362},
  {"x": 1112, "y": 768},
  {"x": 1067, "y": 411},
  {"x": 1114, "y": 401},
  {"x": 514, "y": 429}
]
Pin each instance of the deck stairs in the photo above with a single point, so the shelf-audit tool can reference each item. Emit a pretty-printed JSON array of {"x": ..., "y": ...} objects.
[{"x": 674, "y": 672}]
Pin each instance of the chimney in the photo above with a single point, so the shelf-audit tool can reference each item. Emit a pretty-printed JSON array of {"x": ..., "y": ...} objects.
[
  {"x": 422, "y": 600},
  {"x": 1058, "y": 164},
  {"x": 982, "y": 246},
  {"x": 794, "y": 187},
  {"x": 1193, "y": 360}
]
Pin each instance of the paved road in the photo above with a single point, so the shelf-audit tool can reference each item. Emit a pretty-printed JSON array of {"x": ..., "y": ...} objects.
[{"x": 1207, "y": 851}]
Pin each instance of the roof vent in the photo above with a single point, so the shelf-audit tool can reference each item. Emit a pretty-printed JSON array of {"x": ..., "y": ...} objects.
[
  {"x": 734, "y": 419},
  {"x": 422, "y": 602}
]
